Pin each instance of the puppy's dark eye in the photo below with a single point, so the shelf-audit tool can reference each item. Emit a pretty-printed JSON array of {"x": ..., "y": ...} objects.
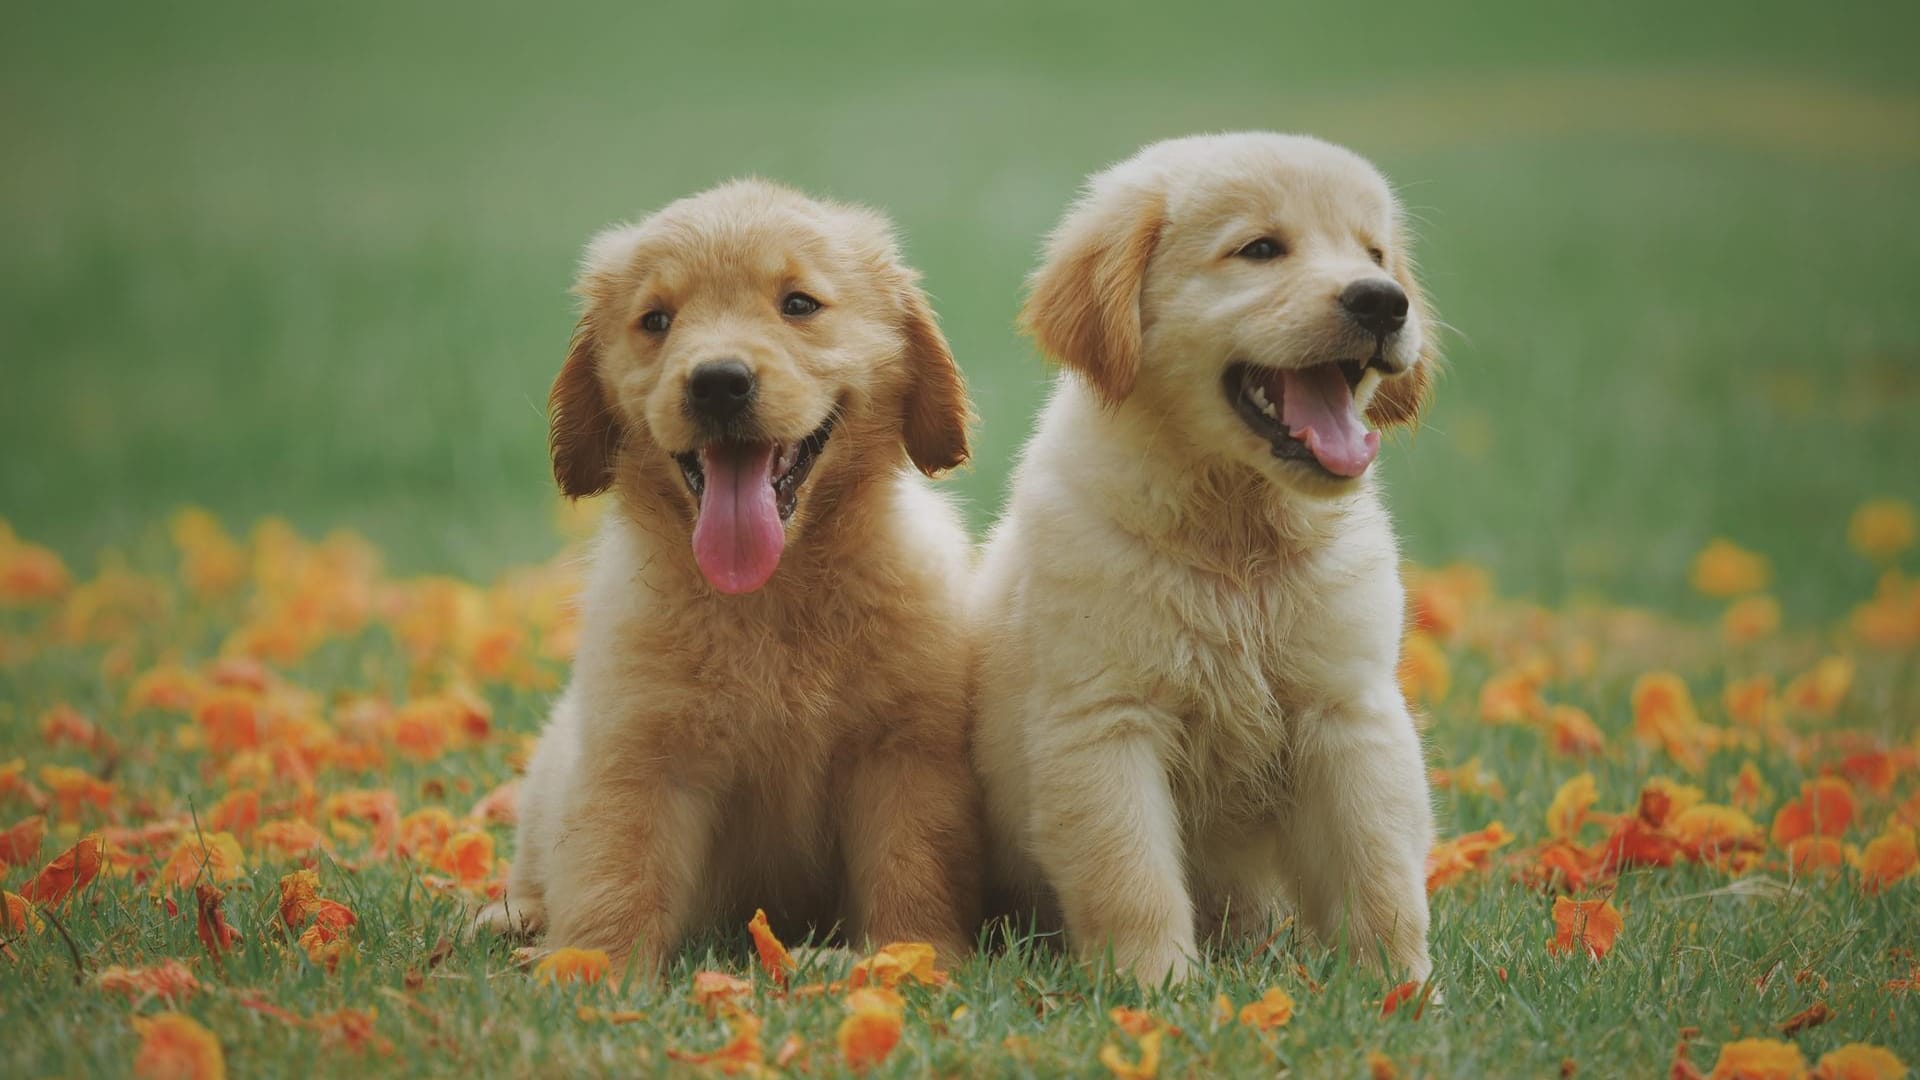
[
  {"x": 798, "y": 305},
  {"x": 1379, "y": 257},
  {"x": 656, "y": 322},
  {"x": 1264, "y": 249}
]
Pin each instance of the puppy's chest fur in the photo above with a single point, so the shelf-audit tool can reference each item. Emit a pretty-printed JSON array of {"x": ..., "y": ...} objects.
[
  {"x": 786, "y": 690},
  {"x": 766, "y": 708},
  {"x": 1246, "y": 673}
]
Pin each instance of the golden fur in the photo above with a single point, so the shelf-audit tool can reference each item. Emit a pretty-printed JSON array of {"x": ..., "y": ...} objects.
[
  {"x": 802, "y": 747},
  {"x": 1188, "y": 718}
]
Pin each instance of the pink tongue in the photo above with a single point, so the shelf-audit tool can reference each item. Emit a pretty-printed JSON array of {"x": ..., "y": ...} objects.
[
  {"x": 1318, "y": 410},
  {"x": 738, "y": 538}
]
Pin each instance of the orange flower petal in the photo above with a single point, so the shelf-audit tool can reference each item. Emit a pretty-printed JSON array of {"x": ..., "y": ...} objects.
[
  {"x": 1817, "y": 854},
  {"x": 1883, "y": 528},
  {"x": 1707, "y": 833},
  {"x": 299, "y": 897},
  {"x": 1750, "y": 702},
  {"x": 1450, "y": 860},
  {"x": 872, "y": 1028},
  {"x": 1146, "y": 1068},
  {"x": 1636, "y": 843},
  {"x": 910, "y": 961},
  {"x": 327, "y": 940},
  {"x": 1820, "y": 690},
  {"x": 1750, "y": 792},
  {"x": 1750, "y": 620},
  {"x": 170, "y": 980},
  {"x": 1724, "y": 569},
  {"x": 1573, "y": 732},
  {"x": 774, "y": 957},
  {"x": 1664, "y": 717},
  {"x": 63, "y": 724},
  {"x": 211, "y": 923},
  {"x": 352, "y": 1029},
  {"x": 1812, "y": 1016},
  {"x": 75, "y": 790},
  {"x": 1135, "y": 1022},
  {"x": 287, "y": 838},
  {"x": 1511, "y": 697},
  {"x": 213, "y": 857},
  {"x": 468, "y": 856},
  {"x": 716, "y": 988},
  {"x": 1825, "y": 808},
  {"x": 17, "y": 915},
  {"x": 742, "y": 1052},
  {"x": 1591, "y": 924},
  {"x": 563, "y": 966},
  {"x": 1397, "y": 997},
  {"x": 238, "y": 812},
  {"x": 1759, "y": 1059},
  {"x": 70, "y": 871},
  {"x": 1570, "y": 805},
  {"x": 1888, "y": 858},
  {"x": 1875, "y": 770},
  {"x": 21, "y": 844},
  {"x": 1274, "y": 1009},
  {"x": 1661, "y": 799},
  {"x": 176, "y": 1047},
  {"x": 1859, "y": 1061}
]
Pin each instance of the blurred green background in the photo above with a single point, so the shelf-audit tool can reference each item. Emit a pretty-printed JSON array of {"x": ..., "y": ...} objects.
[{"x": 313, "y": 261}]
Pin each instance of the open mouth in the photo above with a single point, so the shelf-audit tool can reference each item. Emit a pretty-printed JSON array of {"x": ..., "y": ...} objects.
[
  {"x": 1306, "y": 414},
  {"x": 746, "y": 492},
  {"x": 786, "y": 471}
]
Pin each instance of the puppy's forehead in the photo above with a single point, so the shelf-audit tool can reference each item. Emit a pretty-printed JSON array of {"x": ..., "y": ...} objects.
[
  {"x": 1287, "y": 179},
  {"x": 746, "y": 233}
]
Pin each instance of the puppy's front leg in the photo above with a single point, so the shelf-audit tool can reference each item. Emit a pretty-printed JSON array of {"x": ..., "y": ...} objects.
[
  {"x": 1359, "y": 831},
  {"x": 911, "y": 832},
  {"x": 629, "y": 858},
  {"x": 1107, "y": 834}
]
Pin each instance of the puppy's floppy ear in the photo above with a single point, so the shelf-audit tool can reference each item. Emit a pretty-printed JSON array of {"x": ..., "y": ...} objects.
[
  {"x": 1083, "y": 304},
  {"x": 1401, "y": 399},
  {"x": 936, "y": 412},
  {"x": 583, "y": 430}
]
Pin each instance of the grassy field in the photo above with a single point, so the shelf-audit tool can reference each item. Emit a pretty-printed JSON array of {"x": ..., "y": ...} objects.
[{"x": 312, "y": 264}]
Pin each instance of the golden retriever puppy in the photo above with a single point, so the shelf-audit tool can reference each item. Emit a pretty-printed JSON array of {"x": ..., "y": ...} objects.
[
  {"x": 1190, "y": 614},
  {"x": 768, "y": 704}
]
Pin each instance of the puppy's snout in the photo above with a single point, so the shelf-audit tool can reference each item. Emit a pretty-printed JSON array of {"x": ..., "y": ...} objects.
[
  {"x": 720, "y": 390},
  {"x": 1379, "y": 306}
]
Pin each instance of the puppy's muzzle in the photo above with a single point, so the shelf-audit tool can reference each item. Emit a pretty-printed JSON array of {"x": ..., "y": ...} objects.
[{"x": 719, "y": 392}]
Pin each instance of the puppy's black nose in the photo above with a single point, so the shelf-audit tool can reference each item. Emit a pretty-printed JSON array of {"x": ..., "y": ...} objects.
[
  {"x": 1378, "y": 305},
  {"x": 719, "y": 390}
]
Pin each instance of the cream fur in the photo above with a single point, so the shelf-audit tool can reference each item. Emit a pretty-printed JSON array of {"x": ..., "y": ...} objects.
[{"x": 1187, "y": 711}]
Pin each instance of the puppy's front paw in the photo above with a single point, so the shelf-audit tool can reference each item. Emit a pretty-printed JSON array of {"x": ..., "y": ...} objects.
[
  {"x": 1156, "y": 965},
  {"x": 1418, "y": 965},
  {"x": 510, "y": 919}
]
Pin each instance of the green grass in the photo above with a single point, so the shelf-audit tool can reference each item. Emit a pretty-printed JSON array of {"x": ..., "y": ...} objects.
[{"x": 313, "y": 263}]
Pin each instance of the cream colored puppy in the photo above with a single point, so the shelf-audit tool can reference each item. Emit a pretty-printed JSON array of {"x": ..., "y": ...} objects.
[
  {"x": 1190, "y": 615},
  {"x": 768, "y": 705}
]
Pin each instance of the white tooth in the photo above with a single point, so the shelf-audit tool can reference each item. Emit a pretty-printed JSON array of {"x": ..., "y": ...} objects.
[
  {"x": 1270, "y": 412},
  {"x": 1258, "y": 396},
  {"x": 1363, "y": 390}
]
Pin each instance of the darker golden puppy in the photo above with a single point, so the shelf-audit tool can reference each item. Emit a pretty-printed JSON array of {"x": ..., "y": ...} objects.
[{"x": 768, "y": 703}]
